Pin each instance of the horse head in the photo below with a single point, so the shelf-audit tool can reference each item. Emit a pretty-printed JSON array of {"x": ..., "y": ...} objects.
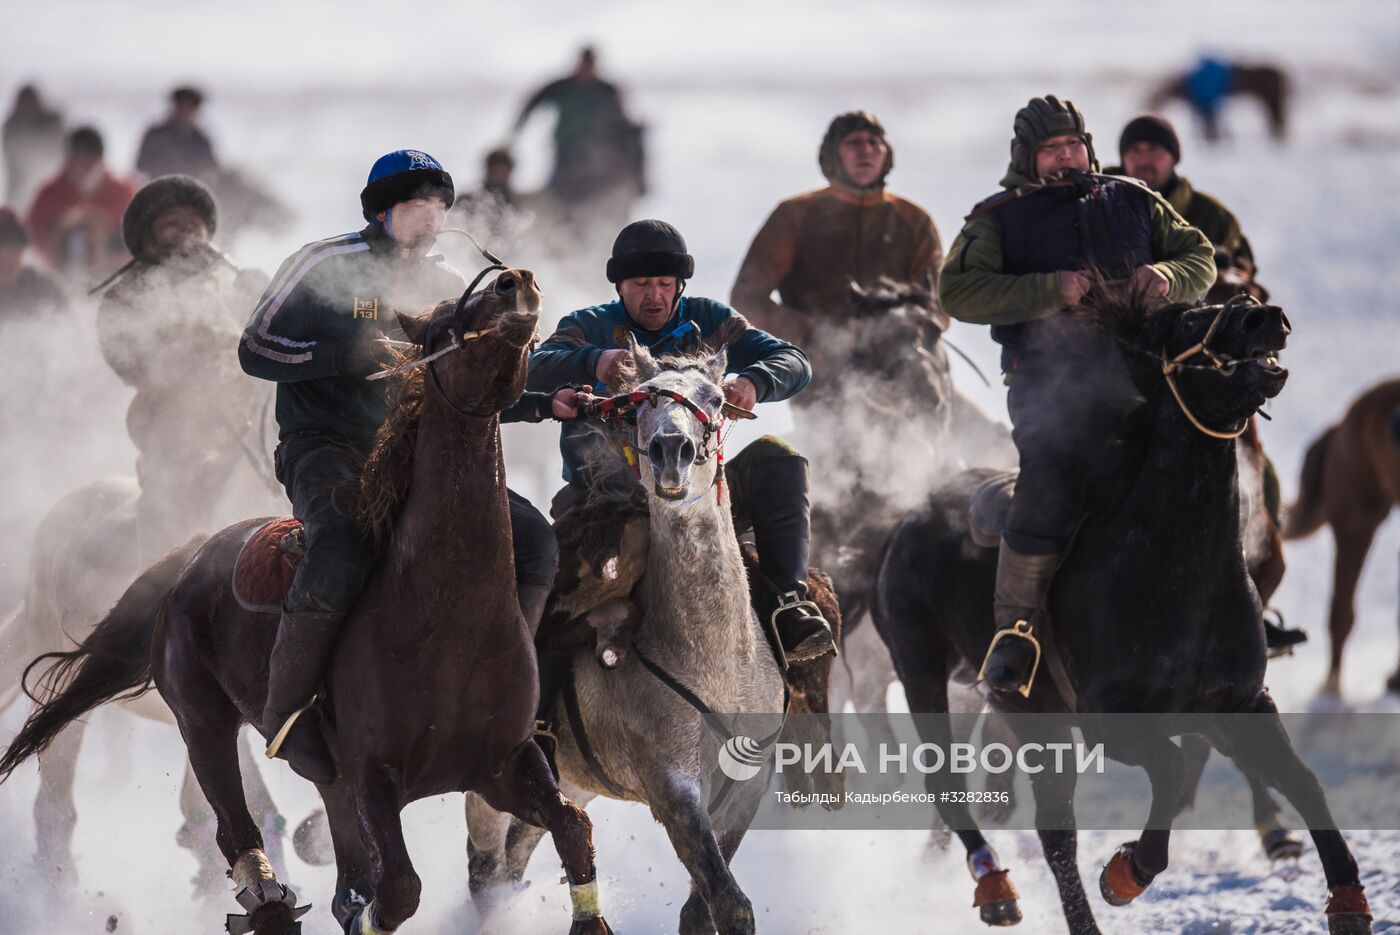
[
  {"x": 678, "y": 424},
  {"x": 490, "y": 331},
  {"x": 1219, "y": 362}
]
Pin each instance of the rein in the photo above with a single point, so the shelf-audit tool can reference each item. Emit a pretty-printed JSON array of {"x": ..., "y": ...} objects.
[{"x": 1222, "y": 364}]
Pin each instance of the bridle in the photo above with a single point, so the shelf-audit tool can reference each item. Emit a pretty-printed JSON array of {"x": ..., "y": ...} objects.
[
  {"x": 1222, "y": 364},
  {"x": 613, "y": 410}
]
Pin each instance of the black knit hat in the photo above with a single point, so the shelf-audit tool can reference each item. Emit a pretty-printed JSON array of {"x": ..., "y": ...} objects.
[
  {"x": 160, "y": 195},
  {"x": 1150, "y": 128},
  {"x": 1045, "y": 118},
  {"x": 649, "y": 248},
  {"x": 12, "y": 232},
  {"x": 842, "y": 126}
]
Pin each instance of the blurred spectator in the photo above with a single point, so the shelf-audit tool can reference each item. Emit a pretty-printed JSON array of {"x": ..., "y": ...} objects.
[
  {"x": 178, "y": 146},
  {"x": 598, "y": 157},
  {"x": 495, "y": 213},
  {"x": 76, "y": 219},
  {"x": 24, "y": 291},
  {"x": 33, "y": 143}
]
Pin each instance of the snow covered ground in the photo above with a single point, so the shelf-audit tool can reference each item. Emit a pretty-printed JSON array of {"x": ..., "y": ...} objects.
[{"x": 736, "y": 96}]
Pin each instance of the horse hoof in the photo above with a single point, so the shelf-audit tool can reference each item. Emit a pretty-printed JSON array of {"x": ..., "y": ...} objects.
[
  {"x": 362, "y": 922},
  {"x": 1348, "y": 913},
  {"x": 1119, "y": 883},
  {"x": 594, "y": 926},
  {"x": 1282, "y": 844},
  {"x": 997, "y": 900},
  {"x": 312, "y": 840}
]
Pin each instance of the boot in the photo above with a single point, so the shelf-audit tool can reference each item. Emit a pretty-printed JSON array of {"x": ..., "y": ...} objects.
[
  {"x": 533, "y": 598},
  {"x": 782, "y": 532},
  {"x": 1022, "y": 585},
  {"x": 291, "y": 722}
]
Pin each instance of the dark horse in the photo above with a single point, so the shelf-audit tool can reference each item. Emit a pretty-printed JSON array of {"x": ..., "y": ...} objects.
[
  {"x": 432, "y": 688},
  {"x": 1153, "y": 610},
  {"x": 1351, "y": 482}
]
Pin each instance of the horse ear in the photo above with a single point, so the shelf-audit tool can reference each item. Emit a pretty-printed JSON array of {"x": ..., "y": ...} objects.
[
  {"x": 415, "y": 325},
  {"x": 717, "y": 365},
  {"x": 643, "y": 364}
]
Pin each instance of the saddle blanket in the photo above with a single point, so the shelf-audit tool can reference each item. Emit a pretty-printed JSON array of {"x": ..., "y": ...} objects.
[{"x": 266, "y": 563}]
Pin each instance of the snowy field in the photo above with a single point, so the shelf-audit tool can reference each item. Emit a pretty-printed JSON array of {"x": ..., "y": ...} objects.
[{"x": 736, "y": 97}]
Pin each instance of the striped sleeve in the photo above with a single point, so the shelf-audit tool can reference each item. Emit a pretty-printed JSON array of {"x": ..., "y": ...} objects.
[{"x": 280, "y": 341}]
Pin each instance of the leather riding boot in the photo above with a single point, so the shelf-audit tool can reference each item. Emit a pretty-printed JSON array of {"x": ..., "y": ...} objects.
[
  {"x": 782, "y": 532},
  {"x": 291, "y": 722},
  {"x": 1279, "y": 639},
  {"x": 1022, "y": 585}
]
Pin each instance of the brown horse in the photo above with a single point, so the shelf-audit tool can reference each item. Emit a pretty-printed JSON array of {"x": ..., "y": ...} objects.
[
  {"x": 432, "y": 688},
  {"x": 1351, "y": 482}
]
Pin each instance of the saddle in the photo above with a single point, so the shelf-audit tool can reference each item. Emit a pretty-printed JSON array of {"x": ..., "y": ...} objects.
[
  {"x": 988, "y": 509},
  {"x": 262, "y": 575}
]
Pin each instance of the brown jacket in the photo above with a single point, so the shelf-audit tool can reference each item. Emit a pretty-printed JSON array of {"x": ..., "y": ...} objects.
[{"x": 813, "y": 246}]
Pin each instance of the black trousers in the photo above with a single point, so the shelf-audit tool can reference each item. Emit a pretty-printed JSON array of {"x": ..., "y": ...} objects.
[
  {"x": 1069, "y": 397},
  {"x": 321, "y": 474}
]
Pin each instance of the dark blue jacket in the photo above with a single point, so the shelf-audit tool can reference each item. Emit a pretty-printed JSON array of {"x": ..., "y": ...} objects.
[{"x": 570, "y": 355}]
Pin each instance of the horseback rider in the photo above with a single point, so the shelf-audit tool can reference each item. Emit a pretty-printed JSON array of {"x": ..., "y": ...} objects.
[
  {"x": 814, "y": 246},
  {"x": 160, "y": 323},
  {"x": 1150, "y": 152},
  {"x": 320, "y": 331},
  {"x": 767, "y": 480},
  {"x": 25, "y": 292},
  {"x": 1022, "y": 263}
]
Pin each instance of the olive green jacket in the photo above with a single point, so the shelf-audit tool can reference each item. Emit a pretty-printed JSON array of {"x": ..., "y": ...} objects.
[
  {"x": 1206, "y": 214},
  {"x": 975, "y": 288}
]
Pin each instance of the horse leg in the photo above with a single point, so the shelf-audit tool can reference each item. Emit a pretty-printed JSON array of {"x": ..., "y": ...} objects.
[
  {"x": 1135, "y": 864},
  {"x": 1195, "y": 752},
  {"x": 677, "y": 802},
  {"x": 1278, "y": 840},
  {"x": 1059, "y": 838},
  {"x": 1353, "y": 535},
  {"x": 527, "y": 790},
  {"x": 196, "y": 835},
  {"x": 396, "y": 885},
  {"x": 353, "y": 886},
  {"x": 55, "y": 814},
  {"x": 487, "y": 833},
  {"x": 1264, "y": 750},
  {"x": 273, "y": 825}
]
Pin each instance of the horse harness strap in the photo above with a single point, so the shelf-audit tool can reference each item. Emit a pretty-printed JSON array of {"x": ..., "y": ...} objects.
[
  {"x": 715, "y": 722},
  {"x": 1220, "y": 363}
]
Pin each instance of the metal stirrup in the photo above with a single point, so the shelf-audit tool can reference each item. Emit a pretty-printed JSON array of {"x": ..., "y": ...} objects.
[
  {"x": 274, "y": 746},
  {"x": 1021, "y": 630}
]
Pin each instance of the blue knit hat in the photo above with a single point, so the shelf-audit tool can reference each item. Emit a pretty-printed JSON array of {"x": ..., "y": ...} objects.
[{"x": 401, "y": 175}]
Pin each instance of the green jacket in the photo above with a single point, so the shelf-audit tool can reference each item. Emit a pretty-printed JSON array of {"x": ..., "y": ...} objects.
[
  {"x": 975, "y": 288},
  {"x": 1210, "y": 217}
]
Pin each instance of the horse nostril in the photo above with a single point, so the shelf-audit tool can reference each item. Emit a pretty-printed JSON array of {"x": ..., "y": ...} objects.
[
  {"x": 1285, "y": 323},
  {"x": 687, "y": 451},
  {"x": 506, "y": 283},
  {"x": 655, "y": 452},
  {"x": 1254, "y": 319}
]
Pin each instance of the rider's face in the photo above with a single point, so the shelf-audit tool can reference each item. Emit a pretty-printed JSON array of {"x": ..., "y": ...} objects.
[
  {"x": 414, "y": 224},
  {"x": 1061, "y": 152},
  {"x": 649, "y": 300},
  {"x": 1150, "y": 163},
  {"x": 862, "y": 157},
  {"x": 178, "y": 227}
]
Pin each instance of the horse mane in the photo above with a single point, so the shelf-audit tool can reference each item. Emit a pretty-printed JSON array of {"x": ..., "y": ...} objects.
[
  {"x": 1127, "y": 313},
  {"x": 389, "y": 466}
]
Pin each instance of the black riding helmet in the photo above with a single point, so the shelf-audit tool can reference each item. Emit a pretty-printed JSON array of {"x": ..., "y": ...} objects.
[{"x": 1041, "y": 119}]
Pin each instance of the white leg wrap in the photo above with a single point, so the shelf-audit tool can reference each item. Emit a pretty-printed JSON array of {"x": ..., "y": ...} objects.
[
  {"x": 367, "y": 926},
  {"x": 251, "y": 868},
  {"x": 585, "y": 899}
]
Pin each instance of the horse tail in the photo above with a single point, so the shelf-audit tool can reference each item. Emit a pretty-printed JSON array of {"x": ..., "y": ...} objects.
[
  {"x": 1305, "y": 515},
  {"x": 113, "y": 663}
]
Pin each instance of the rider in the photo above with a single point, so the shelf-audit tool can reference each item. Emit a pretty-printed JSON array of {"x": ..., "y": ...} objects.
[
  {"x": 814, "y": 246},
  {"x": 768, "y": 479},
  {"x": 319, "y": 332},
  {"x": 25, "y": 292},
  {"x": 160, "y": 325},
  {"x": 177, "y": 145},
  {"x": 1150, "y": 152},
  {"x": 1022, "y": 263},
  {"x": 84, "y": 194}
]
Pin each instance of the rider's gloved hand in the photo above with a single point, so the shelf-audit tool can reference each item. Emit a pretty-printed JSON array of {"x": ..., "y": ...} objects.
[
  {"x": 740, "y": 391},
  {"x": 569, "y": 402},
  {"x": 366, "y": 355},
  {"x": 1151, "y": 281},
  {"x": 1073, "y": 286}
]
